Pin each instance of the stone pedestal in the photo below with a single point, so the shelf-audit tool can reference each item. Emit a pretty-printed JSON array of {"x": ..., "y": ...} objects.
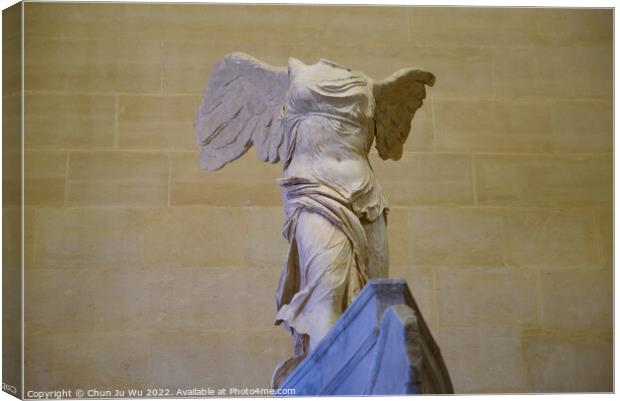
[{"x": 381, "y": 345}]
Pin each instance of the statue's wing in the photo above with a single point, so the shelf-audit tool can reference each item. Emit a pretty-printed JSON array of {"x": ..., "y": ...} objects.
[
  {"x": 241, "y": 108},
  {"x": 397, "y": 98}
]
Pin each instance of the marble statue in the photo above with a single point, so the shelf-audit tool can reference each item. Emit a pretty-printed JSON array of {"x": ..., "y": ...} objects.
[{"x": 319, "y": 120}]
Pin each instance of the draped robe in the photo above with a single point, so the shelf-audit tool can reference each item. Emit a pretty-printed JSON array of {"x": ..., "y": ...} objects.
[{"x": 333, "y": 201}]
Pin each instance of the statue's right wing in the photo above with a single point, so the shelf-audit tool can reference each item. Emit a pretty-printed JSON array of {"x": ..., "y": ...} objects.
[{"x": 241, "y": 108}]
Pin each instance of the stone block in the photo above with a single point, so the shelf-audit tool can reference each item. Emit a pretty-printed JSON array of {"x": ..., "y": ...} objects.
[
  {"x": 117, "y": 165},
  {"x": 461, "y": 72},
  {"x": 117, "y": 193},
  {"x": 11, "y": 124},
  {"x": 423, "y": 179},
  {"x": 45, "y": 164},
  {"x": 575, "y": 27},
  {"x": 112, "y": 359},
  {"x": 118, "y": 178},
  {"x": 493, "y": 126},
  {"x": 398, "y": 236},
  {"x": 456, "y": 236},
  {"x": 491, "y": 352},
  {"x": 422, "y": 135},
  {"x": 91, "y": 238},
  {"x": 568, "y": 361},
  {"x": 184, "y": 358},
  {"x": 12, "y": 151},
  {"x": 157, "y": 122},
  {"x": 472, "y": 297},
  {"x": 294, "y": 24},
  {"x": 362, "y": 25},
  {"x": 605, "y": 224},
  {"x": 12, "y": 231},
  {"x": 187, "y": 65},
  {"x": 93, "y": 21},
  {"x": 11, "y": 78},
  {"x": 93, "y": 300},
  {"x": 44, "y": 191},
  {"x": 12, "y": 301},
  {"x": 200, "y": 298},
  {"x": 248, "y": 181},
  {"x": 235, "y": 23},
  {"x": 219, "y": 22},
  {"x": 582, "y": 126},
  {"x": 70, "y": 300},
  {"x": 11, "y": 167},
  {"x": 550, "y": 238},
  {"x": 473, "y": 26},
  {"x": 12, "y": 192},
  {"x": 557, "y": 72},
  {"x": 215, "y": 236},
  {"x": 543, "y": 180},
  {"x": 44, "y": 183},
  {"x": 577, "y": 299},
  {"x": 92, "y": 65},
  {"x": 69, "y": 121}
]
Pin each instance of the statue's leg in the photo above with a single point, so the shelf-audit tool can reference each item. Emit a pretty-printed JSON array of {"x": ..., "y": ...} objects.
[
  {"x": 324, "y": 260},
  {"x": 301, "y": 343},
  {"x": 325, "y": 263},
  {"x": 378, "y": 252}
]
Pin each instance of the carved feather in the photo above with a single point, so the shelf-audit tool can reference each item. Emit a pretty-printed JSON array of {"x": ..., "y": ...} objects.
[
  {"x": 241, "y": 108},
  {"x": 397, "y": 98}
]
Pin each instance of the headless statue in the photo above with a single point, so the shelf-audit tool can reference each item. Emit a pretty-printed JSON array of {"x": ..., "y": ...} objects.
[{"x": 320, "y": 121}]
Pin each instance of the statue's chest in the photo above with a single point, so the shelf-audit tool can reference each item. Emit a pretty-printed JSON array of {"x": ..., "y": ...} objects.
[{"x": 331, "y": 90}]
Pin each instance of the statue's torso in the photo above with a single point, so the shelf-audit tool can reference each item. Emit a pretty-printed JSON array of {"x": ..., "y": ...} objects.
[{"x": 328, "y": 121}]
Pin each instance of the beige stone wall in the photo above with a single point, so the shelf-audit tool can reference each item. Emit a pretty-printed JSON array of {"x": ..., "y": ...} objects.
[{"x": 142, "y": 270}]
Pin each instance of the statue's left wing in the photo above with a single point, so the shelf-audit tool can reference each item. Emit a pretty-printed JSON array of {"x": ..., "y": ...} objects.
[
  {"x": 241, "y": 108},
  {"x": 396, "y": 100}
]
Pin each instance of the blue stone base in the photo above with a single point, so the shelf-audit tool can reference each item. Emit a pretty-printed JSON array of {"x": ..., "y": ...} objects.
[{"x": 381, "y": 345}]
